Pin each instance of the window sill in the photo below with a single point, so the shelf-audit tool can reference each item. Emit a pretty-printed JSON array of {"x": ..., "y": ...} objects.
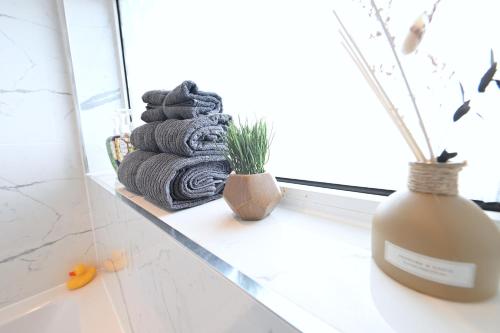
[
  {"x": 313, "y": 250},
  {"x": 357, "y": 208}
]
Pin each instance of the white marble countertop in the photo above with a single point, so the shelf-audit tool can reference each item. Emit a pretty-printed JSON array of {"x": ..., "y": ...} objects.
[{"x": 323, "y": 265}]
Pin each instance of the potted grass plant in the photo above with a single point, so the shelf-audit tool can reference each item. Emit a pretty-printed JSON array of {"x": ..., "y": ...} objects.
[{"x": 250, "y": 191}]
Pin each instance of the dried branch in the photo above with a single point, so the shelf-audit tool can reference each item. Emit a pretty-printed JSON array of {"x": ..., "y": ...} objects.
[
  {"x": 357, "y": 56},
  {"x": 403, "y": 74}
]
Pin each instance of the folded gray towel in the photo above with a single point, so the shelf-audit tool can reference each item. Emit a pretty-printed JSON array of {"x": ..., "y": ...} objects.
[
  {"x": 143, "y": 137},
  {"x": 153, "y": 113},
  {"x": 204, "y": 135},
  {"x": 184, "y": 102},
  {"x": 175, "y": 182},
  {"x": 155, "y": 97},
  {"x": 128, "y": 168}
]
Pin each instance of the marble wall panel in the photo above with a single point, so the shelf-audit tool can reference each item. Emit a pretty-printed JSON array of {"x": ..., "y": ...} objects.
[{"x": 44, "y": 219}]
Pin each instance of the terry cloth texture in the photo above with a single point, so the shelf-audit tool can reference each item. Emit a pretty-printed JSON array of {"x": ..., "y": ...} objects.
[
  {"x": 204, "y": 135},
  {"x": 184, "y": 102},
  {"x": 175, "y": 182},
  {"x": 143, "y": 137},
  {"x": 155, "y": 98},
  {"x": 129, "y": 166},
  {"x": 153, "y": 113}
]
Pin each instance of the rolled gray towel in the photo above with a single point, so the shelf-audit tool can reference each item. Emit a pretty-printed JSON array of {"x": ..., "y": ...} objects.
[
  {"x": 184, "y": 102},
  {"x": 153, "y": 113},
  {"x": 204, "y": 135},
  {"x": 175, "y": 182},
  {"x": 143, "y": 137},
  {"x": 128, "y": 168}
]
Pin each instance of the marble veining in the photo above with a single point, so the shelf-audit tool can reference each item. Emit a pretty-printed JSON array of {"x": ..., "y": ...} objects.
[
  {"x": 95, "y": 58},
  {"x": 2, "y": 15},
  {"x": 44, "y": 217},
  {"x": 320, "y": 262},
  {"x": 100, "y": 99},
  {"x": 165, "y": 287},
  {"x": 30, "y": 251},
  {"x": 29, "y": 91}
]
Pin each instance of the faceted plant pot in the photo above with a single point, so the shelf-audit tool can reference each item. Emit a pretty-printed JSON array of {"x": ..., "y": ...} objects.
[
  {"x": 252, "y": 197},
  {"x": 432, "y": 240}
]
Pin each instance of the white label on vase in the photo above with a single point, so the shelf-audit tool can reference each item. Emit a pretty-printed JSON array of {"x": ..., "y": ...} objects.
[{"x": 452, "y": 273}]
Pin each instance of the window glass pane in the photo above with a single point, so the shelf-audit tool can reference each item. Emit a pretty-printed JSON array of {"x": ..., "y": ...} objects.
[{"x": 283, "y": 60}]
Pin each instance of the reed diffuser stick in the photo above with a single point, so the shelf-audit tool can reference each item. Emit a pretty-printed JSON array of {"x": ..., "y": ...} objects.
[
  {"x": 403, "y": 74},
  {"x": 363, "y": 66},
  {"x": 389, "y": 107}
]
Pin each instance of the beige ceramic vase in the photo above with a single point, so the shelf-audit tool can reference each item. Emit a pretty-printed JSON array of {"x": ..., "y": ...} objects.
[
  {"x": 252, "y": 197},
  {"x": 434, "y": 241}
]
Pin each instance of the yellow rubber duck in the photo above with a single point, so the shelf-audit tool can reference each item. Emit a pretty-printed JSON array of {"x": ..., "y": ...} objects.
[{"x": 80, "y": 276}]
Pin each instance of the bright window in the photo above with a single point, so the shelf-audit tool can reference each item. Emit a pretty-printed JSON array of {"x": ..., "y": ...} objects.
[{"x": 282, "y": 60}]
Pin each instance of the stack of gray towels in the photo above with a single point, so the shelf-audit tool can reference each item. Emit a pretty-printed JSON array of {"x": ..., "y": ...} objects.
[{"x": 180, "y": 158}]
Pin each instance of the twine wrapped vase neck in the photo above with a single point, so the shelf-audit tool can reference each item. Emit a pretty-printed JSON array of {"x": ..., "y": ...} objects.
[{"x": 435, "y": 178}]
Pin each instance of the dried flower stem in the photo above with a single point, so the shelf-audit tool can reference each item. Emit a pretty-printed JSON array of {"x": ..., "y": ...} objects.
[
  {"x": 412, "y": 96},
  {"x": 434, "y": 7},
  {"x": 387, "y": 104},
  {"x": 363, "y": 66}
]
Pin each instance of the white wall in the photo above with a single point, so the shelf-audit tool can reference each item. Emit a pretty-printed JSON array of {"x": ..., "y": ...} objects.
[{"x": 44, "y": 219}]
